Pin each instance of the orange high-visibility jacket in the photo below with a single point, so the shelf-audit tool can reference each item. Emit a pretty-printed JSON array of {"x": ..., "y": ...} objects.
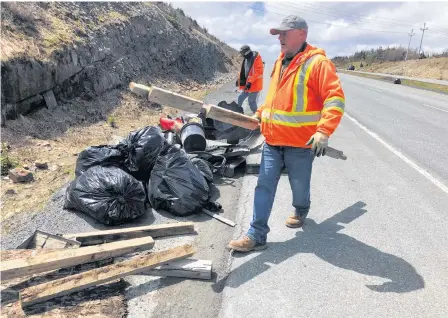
[
  {"x": 255, "y": 75},
  {"x": 307, "y": 98}
]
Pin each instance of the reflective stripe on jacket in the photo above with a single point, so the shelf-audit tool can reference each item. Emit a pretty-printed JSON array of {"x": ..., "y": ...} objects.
[
  {"x": 255, "y": 76},
  {"x": 306, "y": 98}
]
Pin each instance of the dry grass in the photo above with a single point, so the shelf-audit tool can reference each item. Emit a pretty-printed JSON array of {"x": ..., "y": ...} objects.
[
  {"x": 434, "y": 68},
  {"x": 61, "y": 152}
]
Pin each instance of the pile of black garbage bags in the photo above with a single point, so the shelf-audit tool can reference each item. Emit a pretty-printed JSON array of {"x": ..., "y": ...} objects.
[{"x": 115, "y": 183}]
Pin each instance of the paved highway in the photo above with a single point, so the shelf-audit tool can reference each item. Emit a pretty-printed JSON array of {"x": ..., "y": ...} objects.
[{"x": 375, "y": 241}]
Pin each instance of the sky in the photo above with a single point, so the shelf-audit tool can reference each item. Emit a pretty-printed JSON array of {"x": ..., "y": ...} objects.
[{"x": 339, "y": 28}]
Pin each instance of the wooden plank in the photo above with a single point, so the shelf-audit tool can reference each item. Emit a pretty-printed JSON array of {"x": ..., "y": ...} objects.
[
  {"x": 71, "y": 257},
  {"x": 185, "y": 103},
  {"x": 73, "y": 283},
  {"x": 218, "y": 217},
  {"x": 167, "y": 98},
  {"x": 41, "y": 239},
  {"x": 159, "y": 230},
  {"x": 187, "y": 268},
  {"x": 230, "y": 117},
  {"x": 7, "y": 255}
]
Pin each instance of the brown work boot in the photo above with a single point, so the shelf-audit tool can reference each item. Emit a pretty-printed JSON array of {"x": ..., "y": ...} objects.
[
  {"x": 294, "y": 221},
  {"x": 245, "y": 245}
]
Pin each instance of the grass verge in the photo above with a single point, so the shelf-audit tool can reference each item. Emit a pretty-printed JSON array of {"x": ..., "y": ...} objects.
[{"x": 412, "y": 83}]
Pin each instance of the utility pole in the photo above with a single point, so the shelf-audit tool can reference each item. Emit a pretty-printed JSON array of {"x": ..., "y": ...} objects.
[
  {"x": 421, "y": 41},
  {"x": 410, "y": 37}
]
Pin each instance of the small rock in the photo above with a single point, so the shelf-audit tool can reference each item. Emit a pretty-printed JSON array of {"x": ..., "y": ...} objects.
[
  {"x": 20, "y": 175},
  {"x": 41, "y": 164},
  {"x": 46, "y": 144},
  {"x": 75, "y": 154},
  {"x": 54, "y": 168},
  {"x": 195, "y": 89},
  {"x": 10, "y": 192},
  {"x": 26, "y": 167}
]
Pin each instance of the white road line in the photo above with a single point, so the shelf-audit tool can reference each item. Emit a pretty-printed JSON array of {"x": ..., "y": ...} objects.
[
  {"x": 374, "y": 89},
  {"x": 443, "y": 110},
  {"x": 420, "y": 170}
]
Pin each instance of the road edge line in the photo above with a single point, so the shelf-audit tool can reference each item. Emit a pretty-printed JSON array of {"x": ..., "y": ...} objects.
[{"x": 420, "y": 170}]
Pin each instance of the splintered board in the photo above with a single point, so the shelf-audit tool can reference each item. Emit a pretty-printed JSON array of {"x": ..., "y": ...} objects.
[
  {"x": 73, "y": 283},
  {"x": 70, "y": 257},
  {"x": 159, "y": 230},
  {"x": 41, "y": 239}
]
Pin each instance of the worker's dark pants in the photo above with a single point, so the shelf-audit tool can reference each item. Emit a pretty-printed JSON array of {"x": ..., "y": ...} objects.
[
  {"x": 252, "y": 99},
  {"x": 298, "y": 162}
]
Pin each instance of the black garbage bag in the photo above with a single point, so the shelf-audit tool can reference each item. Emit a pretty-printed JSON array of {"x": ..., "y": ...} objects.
[
  {"x": 102, "y": 155},
  {"x": 176, "y": 184},
  {"x": 108, "y": 194},
  {"x": 204, "y": 167},
  {"x": 141, "y": 149},
  {"x": 226, "y": 131}
]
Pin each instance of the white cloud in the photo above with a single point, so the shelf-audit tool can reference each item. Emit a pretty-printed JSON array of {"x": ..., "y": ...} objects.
[{"x": 338, "y": 28}]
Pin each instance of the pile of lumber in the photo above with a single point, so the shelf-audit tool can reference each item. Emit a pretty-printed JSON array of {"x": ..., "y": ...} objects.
[{"x": 50, "y": 253}]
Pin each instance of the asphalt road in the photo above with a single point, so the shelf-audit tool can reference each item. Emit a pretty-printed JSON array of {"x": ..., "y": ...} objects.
[{"x": 375, "y": 241}]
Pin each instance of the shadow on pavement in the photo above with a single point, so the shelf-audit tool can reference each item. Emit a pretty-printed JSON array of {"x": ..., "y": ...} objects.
[{"x": 337, "y": 249}]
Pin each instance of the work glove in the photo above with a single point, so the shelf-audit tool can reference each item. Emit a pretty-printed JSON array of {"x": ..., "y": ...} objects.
[
  {"x": 248, "y": 85},
  {"x": 319, "y": 143}
]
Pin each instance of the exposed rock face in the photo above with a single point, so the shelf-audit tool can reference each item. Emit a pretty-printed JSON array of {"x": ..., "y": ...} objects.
[{"x": 144, "y": 43}]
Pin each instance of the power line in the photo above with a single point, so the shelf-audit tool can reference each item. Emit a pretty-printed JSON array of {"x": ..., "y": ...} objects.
[
  {"x": 326, "y": 23},
  {"x": 354, "y": 14},
  {"x": 337, "y": 15},
  {"x": 354, "y": 17}
]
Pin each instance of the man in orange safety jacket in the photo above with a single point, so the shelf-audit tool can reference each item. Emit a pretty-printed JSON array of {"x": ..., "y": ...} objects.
[
  {"x": 250, "y": 78},
  {"x": 303, "y": 108}
]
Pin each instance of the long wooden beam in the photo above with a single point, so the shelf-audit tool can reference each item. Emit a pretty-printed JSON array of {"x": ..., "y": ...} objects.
[
  {"x": 73, "y": 283},
  {"x": 71, "y": 257},
  {"x": 188, "y": 104},
  {"x": 159, "y": 230}
]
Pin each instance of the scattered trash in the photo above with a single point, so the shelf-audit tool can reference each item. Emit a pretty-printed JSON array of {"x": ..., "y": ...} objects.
[
  {"x": 41, "y": 165},
  {"x": 204, "y": 167},
  {"x": 193, "y": 137},
  {"x": 224, "y": 131},
  {"x": 18, "y": 175},
  {"x": 141, "y": 149},
  {"x": 176, "y": 185},
  {"x": 108, "y": 194},
  {"x": 99, "y": 156},
  {"x": 397, "y": 81}
]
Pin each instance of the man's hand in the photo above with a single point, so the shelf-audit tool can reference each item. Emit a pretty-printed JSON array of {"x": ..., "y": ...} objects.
[
  {"x": 319, "y": 143},
  {"x": 248, "y": 85}
]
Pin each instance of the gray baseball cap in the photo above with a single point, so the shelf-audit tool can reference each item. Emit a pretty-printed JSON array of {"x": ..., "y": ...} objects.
[{"x": 289, "y": 23}]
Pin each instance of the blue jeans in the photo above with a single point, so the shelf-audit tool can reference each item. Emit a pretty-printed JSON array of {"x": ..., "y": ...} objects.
[
  {"x": 299, "y": 162},
  {"x": 252, "y": 100}
]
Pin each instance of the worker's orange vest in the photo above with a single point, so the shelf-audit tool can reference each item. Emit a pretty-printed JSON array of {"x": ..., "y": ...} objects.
[
  {"x": 255, "y": 76},
  {"x": 306, "y": 98}
]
